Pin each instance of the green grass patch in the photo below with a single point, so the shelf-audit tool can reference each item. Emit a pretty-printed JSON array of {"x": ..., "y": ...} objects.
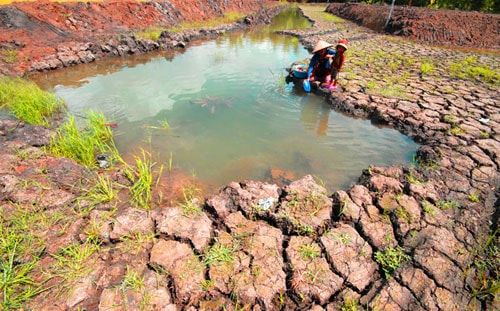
[
  {"x": 152, "y": 33},
  {"x": 83, "y": 144},
  {"x": 391, "y": 259},
  {"x": 21, "y": 243},
  {"x": 395, "y": 91},
  {"x": 73, "y": 263},
  {"x": 332, "y": 18},
  {"x": 309, "y": 251},
  {"x": 16, "y": 284},
  {"x": 27, "y": 102},
  {"x": 219, "y": 254},
  {"x": 470, "y": 68},
  {"x": 102, "y": 191},
  {"x": 227, "y": 18},
  {"x": 426, "y": 68},
  {"x": 132, "y": 280}
]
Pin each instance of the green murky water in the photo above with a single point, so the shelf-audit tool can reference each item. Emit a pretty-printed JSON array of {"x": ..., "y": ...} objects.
[{"x": 229, "y": 113}]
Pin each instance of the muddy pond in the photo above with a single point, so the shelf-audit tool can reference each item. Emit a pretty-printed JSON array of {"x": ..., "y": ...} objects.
[{"x": 219, "y": 110}]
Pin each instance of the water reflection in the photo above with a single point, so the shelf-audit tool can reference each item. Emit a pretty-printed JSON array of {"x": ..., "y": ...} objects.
[{"x": 315, "y": 115}]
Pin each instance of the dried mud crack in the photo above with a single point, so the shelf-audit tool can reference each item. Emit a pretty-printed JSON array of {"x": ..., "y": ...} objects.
[{"x": 402, "y": 238}]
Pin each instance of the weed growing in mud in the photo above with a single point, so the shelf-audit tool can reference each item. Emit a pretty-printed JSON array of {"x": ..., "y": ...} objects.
[
  {"x": 474, "y": 197},
  {"x": 207, "y": 285},
  {"x": 485, "y": 269},
  {"x": 132, "y": 280},
  {"x": 344, "y": 238},
  {"x": 309, "y": 251},
  {"x": 73, "y": 263},
  {"x": 391, "y": 259},
  {"x": 83, "y": 145},
  {"x": 26, "y": 154},
  {"x": 485, "y": 134},
  {"x": 20, "y": 243},
  {"x": 16, "y": 284},
  {"x": 302, "y": 229},
  {"x": 444, "y": 205},
  {"x": 219, "y": 254},
  {"x": 135, "y": 242},
  {"x": 351, "y": 305},
  {"x": 426, "y": 68},
  {"x": 413, "y": 179},
  {"x": 456, "y": 130},
  {"x": 142, "y": 178},
  {"x": 279, "y": 81},
  {"x": 450, "y": 119},
  {"x": 428, "y": 208},
  {"x": 190, "y": 200},
  {"x": 403, "y": 214},
  {"x": 27, "y": 102},
  {"x": 101, "y": 192}
]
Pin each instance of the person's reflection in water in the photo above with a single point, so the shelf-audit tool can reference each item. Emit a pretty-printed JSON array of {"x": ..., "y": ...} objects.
[{"x": 315, "y": 115}]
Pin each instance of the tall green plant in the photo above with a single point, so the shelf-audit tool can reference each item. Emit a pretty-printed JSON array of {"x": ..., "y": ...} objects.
[{"x": 142, "y": 178}]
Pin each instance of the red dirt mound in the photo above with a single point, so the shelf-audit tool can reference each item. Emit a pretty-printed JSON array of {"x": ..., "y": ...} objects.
[{"x": 432, "y": 26}]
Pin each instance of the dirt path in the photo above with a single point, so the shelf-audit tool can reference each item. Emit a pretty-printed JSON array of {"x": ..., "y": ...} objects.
[{"x": 400, "y": 239}]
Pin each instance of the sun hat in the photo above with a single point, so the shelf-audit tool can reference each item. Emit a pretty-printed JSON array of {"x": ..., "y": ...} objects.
[
  {"x": 321, "y": 45},
  {"x": 343, "y": 42}
]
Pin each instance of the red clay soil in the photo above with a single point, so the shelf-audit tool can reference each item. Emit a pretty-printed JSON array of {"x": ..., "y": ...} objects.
[{"x": 35, "y": 29}]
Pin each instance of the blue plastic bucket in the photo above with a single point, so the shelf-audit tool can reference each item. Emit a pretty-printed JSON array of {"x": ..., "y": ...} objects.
[{"x": 300, "y": 71}]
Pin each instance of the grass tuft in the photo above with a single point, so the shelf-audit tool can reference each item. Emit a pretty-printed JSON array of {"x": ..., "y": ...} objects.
[
  {"x": 27, "y": 102},
  {"x": 83, "y": 145},
  {"x": 16, "y": 284},
  {"x": 391, "y": 259},
  {"x": 142, "y": 178},
  {"x": 152, "y": 33}
]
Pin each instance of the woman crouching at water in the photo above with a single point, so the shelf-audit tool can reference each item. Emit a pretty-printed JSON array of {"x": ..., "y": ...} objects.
[
  {"x": 326, "y": 63},
  {"x": 319, "y": 71}
]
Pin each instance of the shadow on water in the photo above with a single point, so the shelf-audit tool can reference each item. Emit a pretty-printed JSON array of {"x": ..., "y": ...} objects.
[{"x": 220, "y": 110}]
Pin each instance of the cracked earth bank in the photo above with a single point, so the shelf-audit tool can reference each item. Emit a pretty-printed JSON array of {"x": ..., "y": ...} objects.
[{"x": 259, "y": 246}]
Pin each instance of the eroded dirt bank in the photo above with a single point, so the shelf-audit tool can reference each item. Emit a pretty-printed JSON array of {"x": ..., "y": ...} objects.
[
  {"x": 46, "y": 35},
  {"x": 438, "y": 27},
  {"x": 403, "y": 238}
]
